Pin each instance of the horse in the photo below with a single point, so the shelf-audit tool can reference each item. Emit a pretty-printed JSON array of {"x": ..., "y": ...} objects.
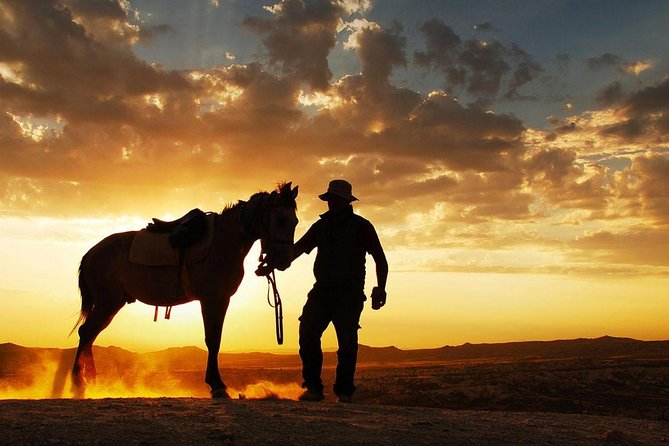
[{"x": 107, "y": 279}]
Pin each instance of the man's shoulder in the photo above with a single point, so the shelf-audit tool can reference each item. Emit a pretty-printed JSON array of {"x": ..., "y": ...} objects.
[{"x": 362, "y": 220}]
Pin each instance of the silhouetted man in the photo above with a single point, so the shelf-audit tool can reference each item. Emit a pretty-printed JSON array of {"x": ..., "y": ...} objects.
[{"x": 343, "y": 239}]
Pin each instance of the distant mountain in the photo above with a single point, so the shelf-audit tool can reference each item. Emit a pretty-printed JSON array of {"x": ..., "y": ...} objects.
[
  {"x": 599, "y": 348},
  {"x": 15, "y": 359}
]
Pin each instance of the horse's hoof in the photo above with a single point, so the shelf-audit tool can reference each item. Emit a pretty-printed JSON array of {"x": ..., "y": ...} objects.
[{"x": 220, "y": 393}]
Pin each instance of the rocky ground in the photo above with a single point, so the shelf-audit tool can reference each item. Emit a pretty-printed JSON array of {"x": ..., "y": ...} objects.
[{"x": 183, "y": 421}]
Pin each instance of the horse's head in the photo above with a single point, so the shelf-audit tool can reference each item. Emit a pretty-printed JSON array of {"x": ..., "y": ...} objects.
[{"x": 277, "y": 231}]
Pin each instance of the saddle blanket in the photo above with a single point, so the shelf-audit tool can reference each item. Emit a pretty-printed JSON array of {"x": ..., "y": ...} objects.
[{"x": 154, "y": 249}]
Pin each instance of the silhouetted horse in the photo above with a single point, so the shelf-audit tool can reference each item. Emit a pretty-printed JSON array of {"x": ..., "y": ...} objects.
[{"x": 107, "y": 280}]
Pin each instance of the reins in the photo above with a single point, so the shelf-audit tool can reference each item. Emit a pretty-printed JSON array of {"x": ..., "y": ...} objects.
[
  {"x": 278, "y": 308},
  {"x": 275, "y": 301}
]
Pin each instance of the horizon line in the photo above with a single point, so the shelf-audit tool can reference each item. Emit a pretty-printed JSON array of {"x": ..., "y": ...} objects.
[{"x": 334, "y": 349}]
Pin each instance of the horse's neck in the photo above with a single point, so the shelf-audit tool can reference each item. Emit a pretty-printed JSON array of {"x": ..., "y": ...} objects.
[{"x": 232, "y": 232}]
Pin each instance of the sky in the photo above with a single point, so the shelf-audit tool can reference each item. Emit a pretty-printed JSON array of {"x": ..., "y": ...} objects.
[{"x": 513, "y": 157}]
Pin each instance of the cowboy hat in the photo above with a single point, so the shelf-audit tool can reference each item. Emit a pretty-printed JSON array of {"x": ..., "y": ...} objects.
[{"x": 339, "y": 188}]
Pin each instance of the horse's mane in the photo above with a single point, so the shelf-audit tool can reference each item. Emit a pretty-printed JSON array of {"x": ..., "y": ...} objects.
[{"x": 283, "y": 190}]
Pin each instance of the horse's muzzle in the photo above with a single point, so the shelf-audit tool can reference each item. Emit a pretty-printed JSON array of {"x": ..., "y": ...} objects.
[
  {"x": 280, "y": 258},
  {"x": 282, "y": 266}
]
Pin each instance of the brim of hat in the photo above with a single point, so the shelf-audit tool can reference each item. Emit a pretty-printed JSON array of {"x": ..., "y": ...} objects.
[{"x": 327, "y": 195}]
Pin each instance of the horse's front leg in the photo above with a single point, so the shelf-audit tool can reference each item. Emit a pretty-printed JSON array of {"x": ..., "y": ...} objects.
[{"x": 213, "y": 315}]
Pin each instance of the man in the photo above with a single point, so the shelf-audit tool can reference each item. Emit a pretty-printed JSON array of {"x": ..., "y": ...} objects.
[{"x": 343, "y": 239}]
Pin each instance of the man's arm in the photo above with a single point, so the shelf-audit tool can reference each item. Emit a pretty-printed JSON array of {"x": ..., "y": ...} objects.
[
  {"x": 305, "y": 244},
  {"x": 373, "y": 246},
  {"x": 381, "y": 269}
]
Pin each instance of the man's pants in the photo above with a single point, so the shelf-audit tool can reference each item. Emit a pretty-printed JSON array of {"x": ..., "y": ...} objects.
[{"x": 343, "y": 309}]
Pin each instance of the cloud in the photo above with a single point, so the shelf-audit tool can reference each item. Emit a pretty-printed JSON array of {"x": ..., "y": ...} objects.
[
  {"x": 85, "y": 124},
  {"x": 299, "y": 37},
  {"x": 635, "y": 246},
  {"x": 65, "y": 70},
  {"x": 613, "y": 61},
  {"x": 644, "y": 115},
  {"x": 482, "y": 67},
  {"x": 124, "y": 117},
  {"x": 610, "y": 95},
  {"x": 146, "y": 34},
  {"x": 356, "y": 6},
  {"x": 441, "y": 42},
  {"x": 380, "y": 50},
  {"x": 651, "y": 176},
  {"x": 606, "y": 60}
]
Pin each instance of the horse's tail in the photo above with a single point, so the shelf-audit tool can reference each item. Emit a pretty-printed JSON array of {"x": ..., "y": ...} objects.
[{"x": 86, "y": 299}]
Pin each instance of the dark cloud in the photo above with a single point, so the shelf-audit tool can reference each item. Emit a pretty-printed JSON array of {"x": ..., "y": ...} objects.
[
  {"x": 526, "y": 70},
  {"x": 146, "y": 34},
  {"x": 630, "y": 129},
  {"x": 482, "y": 67},
  {"x": 606, "y": 60},
  {"x": 442, "y": 44},
  {"x": 644, "y": 115},
  {"x": 610, "y": 95},
  {"x": 485, "y": 64},
  {"x": 654, "y": 99},
  {"x": 380, "y": 50},
  {"x": 299, "y": 38}
]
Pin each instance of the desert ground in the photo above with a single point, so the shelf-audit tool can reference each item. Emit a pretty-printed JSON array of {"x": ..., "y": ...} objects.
[
  {"x": 582, "y": 392},
  {"x": 183, "y": 421}
]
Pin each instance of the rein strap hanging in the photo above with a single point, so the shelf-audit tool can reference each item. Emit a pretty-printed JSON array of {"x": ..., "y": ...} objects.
[{"x": 278, "y": 308}]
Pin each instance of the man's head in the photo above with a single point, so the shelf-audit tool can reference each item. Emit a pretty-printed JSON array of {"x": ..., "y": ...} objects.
[{"x": 338, "y": 195}]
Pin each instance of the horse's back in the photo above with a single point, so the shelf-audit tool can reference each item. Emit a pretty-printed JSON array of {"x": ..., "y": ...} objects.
[{"x": 106, "y": 252}]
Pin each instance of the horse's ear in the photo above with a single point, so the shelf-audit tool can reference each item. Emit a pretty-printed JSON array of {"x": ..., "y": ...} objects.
[{"x": 294, "y": 192}]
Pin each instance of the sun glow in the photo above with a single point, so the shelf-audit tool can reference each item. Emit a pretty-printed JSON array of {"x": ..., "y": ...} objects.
[
  {"x": 376, "y": 127},
  {"x": 639, "y": 66},
  {"x": 155, "y": 100},
  {"x": 321, "y": 100},
  {"x": 10, "y": 73}
]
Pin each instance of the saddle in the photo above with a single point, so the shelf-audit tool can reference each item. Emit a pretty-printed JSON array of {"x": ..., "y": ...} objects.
[
  {"x": 183, "y": 231},
  {"x": 161, "y": 244}
]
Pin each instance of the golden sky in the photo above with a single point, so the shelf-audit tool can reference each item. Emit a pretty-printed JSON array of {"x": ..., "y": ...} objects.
[{"x": 514, "y": 163}]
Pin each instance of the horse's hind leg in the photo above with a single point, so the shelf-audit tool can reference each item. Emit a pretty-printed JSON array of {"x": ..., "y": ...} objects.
[{"x": 84, "y": 366}]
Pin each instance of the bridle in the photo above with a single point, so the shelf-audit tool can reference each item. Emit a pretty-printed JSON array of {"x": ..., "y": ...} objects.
[
  {"x": 260, "y": 217},
  {"x": 264, "y": 234}
]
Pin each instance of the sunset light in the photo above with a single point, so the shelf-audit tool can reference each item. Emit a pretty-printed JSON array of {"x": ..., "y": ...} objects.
[{"x": 517, "y": 173}]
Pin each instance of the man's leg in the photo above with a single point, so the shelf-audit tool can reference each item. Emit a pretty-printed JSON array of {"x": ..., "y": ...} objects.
[
  {"x": 345, "y": 320},
  {"x": 313, "y": 322}
]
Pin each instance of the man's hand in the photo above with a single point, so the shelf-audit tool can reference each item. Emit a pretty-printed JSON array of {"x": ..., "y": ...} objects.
[
  {"x": 378, "y": 298},
  {"x": 264, "y": 270}
]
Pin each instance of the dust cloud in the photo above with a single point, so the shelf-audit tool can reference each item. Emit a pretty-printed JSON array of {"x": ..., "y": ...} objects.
[{"x": 48, "y": 377}]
